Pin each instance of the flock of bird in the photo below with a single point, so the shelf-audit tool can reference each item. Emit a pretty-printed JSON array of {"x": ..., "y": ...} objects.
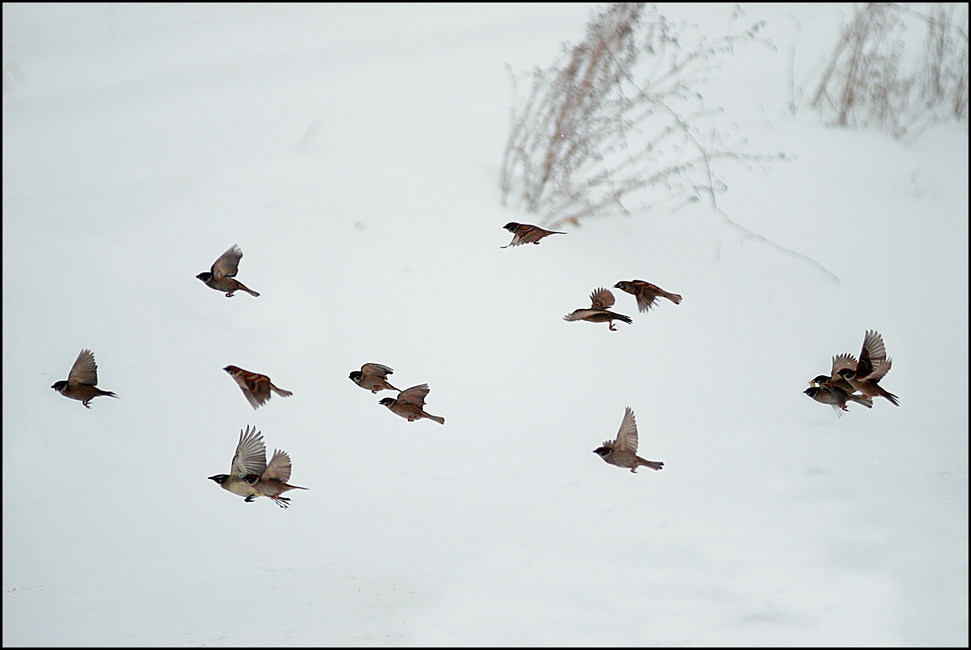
[
  {"x": 252, "y": 477},
  {"x": 855, "y": 381}
]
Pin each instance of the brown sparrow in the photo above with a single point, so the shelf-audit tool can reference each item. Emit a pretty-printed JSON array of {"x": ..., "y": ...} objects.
[
  {"x": 872, "y": 367},
  {"x": 220, "y": 276},
  {"x": 832, "y": 389},
  {"x": 373, "y": 377},
  {"x": 410, "y": 403},
  {"x": 523, "y": 233},
  {"x": 80, "y": 384},
  {"x": 273, "y": 481},
  {"x": 622, "y": 452},
  {"x": 836, "y": 380},
  {"x": 600, "y": 301},
  {"x": 255, "y": 387},
  {"x": 835, "y": 396},
  {"x": 646, "y": 293},
  {"x": 251, "y": 477},
  {"x": 249, "y": 463}
]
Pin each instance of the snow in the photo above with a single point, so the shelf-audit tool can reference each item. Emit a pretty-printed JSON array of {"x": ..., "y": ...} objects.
[{"x": 352, "y": 152}]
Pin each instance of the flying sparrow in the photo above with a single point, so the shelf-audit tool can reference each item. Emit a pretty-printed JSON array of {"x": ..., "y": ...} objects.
[
  {"x": 221, "y": 276},
  {"x": 249, "y": 463},
  {"x": 373, "y": 377},
  {"x": 872, "y": 367},
  {"x": 622, "y": 452},
  {"x": 251, "y": 477},
  {"x": 834, "y": 390},
  {"x": 523, "y": 233},
  {"x": 410, "y": 403},
  {"x": 255, "y": 387},
  {"x": 646, "y": 293},
  {"x": 80, "y": 384},
  {"x": 836, "y": 380},
  {"x": 273, "y": 482},
  {"x": 835, "y": 396},
  {"x": 600, "y": 301}
]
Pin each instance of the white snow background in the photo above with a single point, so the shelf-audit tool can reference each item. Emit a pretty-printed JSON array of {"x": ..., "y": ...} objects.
[{"x": 353, "y": 153}]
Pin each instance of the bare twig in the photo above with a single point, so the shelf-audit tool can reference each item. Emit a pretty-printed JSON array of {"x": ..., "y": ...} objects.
[
  {"x": 876, "y": 77},
  {"x": 616, "y": 120}
]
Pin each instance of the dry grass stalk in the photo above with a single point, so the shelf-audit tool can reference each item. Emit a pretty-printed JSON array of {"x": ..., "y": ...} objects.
[
  {"x": 879, "y": 76},
  {"x": 617, "y": 114}
]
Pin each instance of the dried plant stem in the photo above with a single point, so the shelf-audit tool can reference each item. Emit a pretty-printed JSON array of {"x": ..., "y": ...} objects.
[
  {"x": 618, "y": 120},
  {"x": 877, "y": 77}
]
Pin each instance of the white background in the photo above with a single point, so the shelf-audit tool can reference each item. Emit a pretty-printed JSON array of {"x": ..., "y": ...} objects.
[{"x": 353, "y": 154}]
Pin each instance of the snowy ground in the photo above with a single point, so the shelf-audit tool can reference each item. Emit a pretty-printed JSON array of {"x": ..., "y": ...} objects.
[{"x": 353, "y": 154}]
